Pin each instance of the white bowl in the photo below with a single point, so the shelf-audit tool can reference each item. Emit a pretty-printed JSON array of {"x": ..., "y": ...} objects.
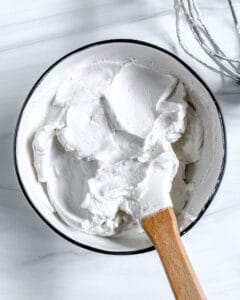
[{"x": 207, "y": 173}]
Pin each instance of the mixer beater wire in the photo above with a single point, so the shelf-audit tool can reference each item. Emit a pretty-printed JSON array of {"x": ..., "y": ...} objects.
[{"x": 228, "y": 66}]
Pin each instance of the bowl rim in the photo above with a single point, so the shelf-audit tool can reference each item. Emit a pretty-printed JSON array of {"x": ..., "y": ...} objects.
[{"x": 126, "y": 41}]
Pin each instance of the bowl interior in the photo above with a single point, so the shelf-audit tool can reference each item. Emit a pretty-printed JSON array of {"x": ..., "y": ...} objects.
[{"x": 206, "y": 173}]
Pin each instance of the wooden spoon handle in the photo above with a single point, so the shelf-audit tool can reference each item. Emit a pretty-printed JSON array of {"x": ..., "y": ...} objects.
[{"x": 163, "y": 231}]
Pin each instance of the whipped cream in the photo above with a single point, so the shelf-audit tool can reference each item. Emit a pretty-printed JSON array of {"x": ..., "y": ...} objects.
[{"x": 114, "y": 146}]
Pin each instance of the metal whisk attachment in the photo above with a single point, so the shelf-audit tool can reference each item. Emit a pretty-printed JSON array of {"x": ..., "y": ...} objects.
[{"x": 228, "y": 66}]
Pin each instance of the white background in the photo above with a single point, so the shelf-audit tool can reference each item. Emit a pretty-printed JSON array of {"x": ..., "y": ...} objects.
[{"x": 36, "y": 263}]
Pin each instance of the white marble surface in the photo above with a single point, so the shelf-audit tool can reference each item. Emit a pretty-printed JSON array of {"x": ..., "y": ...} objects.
[{"x": 36, "y": 263}]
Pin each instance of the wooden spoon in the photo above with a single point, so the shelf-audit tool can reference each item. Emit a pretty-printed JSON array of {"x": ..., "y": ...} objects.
[{"x": 162, "y": 229}]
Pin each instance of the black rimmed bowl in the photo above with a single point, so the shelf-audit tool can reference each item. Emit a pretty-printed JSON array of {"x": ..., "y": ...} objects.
[{"x": 206, "y": 174}]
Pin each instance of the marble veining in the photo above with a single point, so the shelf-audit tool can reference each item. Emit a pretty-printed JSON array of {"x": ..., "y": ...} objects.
[{"x": 36, "y": 263}]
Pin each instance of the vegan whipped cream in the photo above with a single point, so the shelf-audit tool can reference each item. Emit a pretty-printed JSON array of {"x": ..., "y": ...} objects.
[{"x": 115, "y": 145}]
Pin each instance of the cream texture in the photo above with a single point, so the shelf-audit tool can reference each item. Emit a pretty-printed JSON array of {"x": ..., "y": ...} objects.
[{"x": 114, "y": 146}]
